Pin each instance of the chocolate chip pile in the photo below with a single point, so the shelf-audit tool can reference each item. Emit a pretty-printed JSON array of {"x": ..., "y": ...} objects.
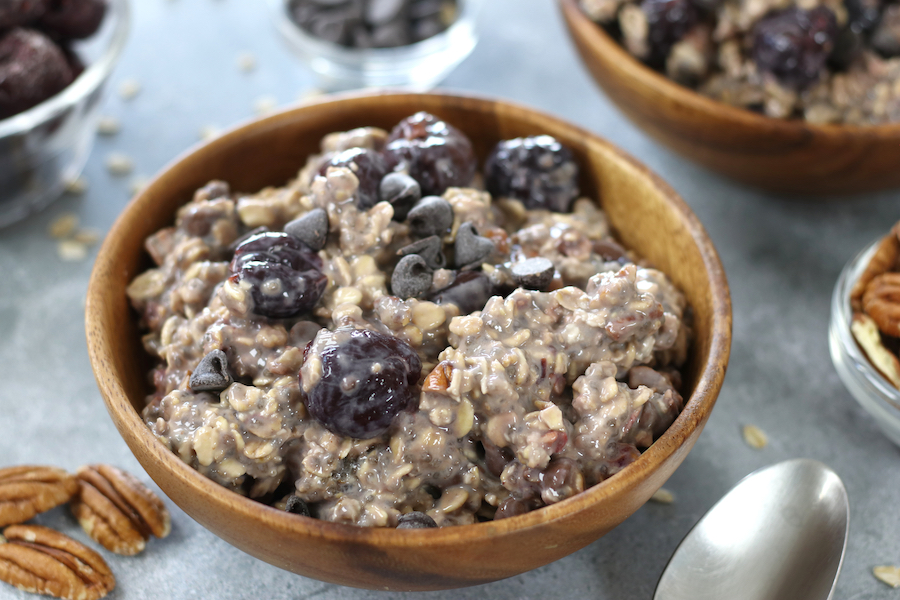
[
  {"x": 36, "y": 59},
  {"x": 384, "y": 343},
  {"x": 373, "y": 23},
  {"x": 825, "y": 61}
]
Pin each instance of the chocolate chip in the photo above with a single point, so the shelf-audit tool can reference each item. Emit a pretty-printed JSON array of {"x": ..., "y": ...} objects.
[
  {"x": 469, "y": 291},
  {"x": 415, "y": 520},
  {"x": 422, "y": 9},
  {"x": 430, "y": 248},
  {"x": 379, "y": 12},
  {"x": 211, "y": 375},
  {"x": 533, "y": 273},
  {"x": 432, "y": 215},
  {"x": 391, "y": 35},
  {"x": 411, "y": 278},
  {"x": 401, "y": 191},
  {"x": 297, "y": 506},
  {"x": 426, "y": 28},
  {"x": 311, "y": 228},
  {"x": 470, "y": 248}
]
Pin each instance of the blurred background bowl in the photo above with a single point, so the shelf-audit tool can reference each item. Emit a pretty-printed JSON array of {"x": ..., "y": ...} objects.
[
  {"x": 779, "y": 155},
  {"x": 870, "y": 388},
  {"x": 45, "y": 147},
  {"x": 419, "y": 66},
  {"x": 645, "y": 214}
]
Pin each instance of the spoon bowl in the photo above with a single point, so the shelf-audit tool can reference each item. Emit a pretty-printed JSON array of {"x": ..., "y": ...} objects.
[{"x": 779, "y": 533}]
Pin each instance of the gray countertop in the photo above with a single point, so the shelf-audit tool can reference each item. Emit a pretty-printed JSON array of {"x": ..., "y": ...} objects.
[{"x": 782, "y": 257}]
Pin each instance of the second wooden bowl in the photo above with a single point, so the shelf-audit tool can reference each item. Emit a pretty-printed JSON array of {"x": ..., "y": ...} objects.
[
  {"x": 775, "y": 154},
  {"x": 646, "y": 215}
]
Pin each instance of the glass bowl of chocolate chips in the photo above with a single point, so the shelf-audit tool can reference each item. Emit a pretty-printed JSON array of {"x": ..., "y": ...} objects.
[
  {"x": 55, "y": 57},
  {"x": 864, "y": 334},
  {"x": 351, "y": 44}
]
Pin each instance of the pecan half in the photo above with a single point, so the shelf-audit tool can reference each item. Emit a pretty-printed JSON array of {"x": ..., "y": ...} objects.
[
  {"x": 886, "y": 258},
  {"x": 42, "y": 561},
  {"x": 118, "y": 511},
  {"x": 881, "y": 301},
  {"x": 30, "y": 490},
  {"x": 866, "y": 333}
]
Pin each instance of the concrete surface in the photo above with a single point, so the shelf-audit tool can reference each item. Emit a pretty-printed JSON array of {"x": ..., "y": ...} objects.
[{"x": 782, "y": 257}]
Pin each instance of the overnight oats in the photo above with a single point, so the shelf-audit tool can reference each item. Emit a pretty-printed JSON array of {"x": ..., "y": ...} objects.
[
  {"x": 824, "y": 61},
  {"x": 395, "y": 340}
]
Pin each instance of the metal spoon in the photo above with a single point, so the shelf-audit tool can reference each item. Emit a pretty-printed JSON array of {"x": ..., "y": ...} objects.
[{"x": 779, "y": 534}]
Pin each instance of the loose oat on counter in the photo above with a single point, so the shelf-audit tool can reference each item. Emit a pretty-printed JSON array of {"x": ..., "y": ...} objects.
[
  {"x": 382, "y": 343},
  {"x": 825, "y": 61}
]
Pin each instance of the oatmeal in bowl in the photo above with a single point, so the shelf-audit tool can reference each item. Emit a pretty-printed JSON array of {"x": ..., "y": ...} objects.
[
  {"x": 429, "y": 324},
  {"x": 379, "y": 338},
  {"x": 760, "y": 102}
]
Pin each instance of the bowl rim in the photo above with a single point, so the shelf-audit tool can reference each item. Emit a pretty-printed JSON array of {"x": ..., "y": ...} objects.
[
  {"x": 699, "y": 103},
  {"x": 119, "y": 13},
  {"x": 697, "y": 407}
]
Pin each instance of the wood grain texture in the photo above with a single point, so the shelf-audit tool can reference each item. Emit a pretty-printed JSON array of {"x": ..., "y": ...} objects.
[
  {"x": 775, "y": 154},
  {"x": 645, "y": 212}
]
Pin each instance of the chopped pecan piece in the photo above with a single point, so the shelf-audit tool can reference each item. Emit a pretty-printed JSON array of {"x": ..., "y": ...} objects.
[
  {"x": 439, "y": 378},
  {"x": 881, "y": 301},
  {"x": 30, "y": 490},
  {"x": 118, "y": 511},
  {"x": 886, "y": 258},
  {"x": 42, "y": 561}
]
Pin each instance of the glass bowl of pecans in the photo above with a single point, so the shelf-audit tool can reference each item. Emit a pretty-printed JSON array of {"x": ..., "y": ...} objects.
[
  {"x": 54, "y": 62},
  {"x": 351, "y": 44},
  {"x": 864, "y": 333}
]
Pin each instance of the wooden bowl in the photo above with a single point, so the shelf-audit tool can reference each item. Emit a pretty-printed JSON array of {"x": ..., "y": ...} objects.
[
  {"x": 646, "y": 214},
  {"x": 775, "y": 154}
]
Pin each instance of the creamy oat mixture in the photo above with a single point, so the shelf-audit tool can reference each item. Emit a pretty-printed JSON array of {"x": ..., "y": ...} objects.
[
  {"x": 825, "y": 61},
  {"x": 349, "y": 368}
]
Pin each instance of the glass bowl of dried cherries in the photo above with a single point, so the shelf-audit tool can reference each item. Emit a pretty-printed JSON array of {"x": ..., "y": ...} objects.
[
  {"x": 55, "y": 58},
  {"x": 351, "y": 44},
  {"x": 864, "y": 333}
]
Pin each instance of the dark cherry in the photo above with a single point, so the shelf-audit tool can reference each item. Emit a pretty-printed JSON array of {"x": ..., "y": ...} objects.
[
  {"x": 368, "y": 166},
  {"x": 537, "y": 170},
  {"x": 862, "y": 15},
  {"x": 668, "y": 21},
  {"x": 368, "y": 378},
  {"x": 512, "y": 507},
  {"x": 470, "y": 291},
  {"x": 793, "y": 44},
  {"x": 20, "y": 12},
  {"x": 32, "y": 69},
  {"x": 435, "y": 154},
  {"x": 73, "y": 19},
  {"x": 285, "y": 276}
]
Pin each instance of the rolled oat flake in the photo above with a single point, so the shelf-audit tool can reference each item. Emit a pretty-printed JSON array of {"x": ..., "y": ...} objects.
[{"x": 211, "y": 374}]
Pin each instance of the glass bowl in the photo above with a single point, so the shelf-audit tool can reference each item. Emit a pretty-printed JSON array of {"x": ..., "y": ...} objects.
[
  {"x": 419, "y": 66},
  {"x": 45, "y": 147},
  {"x": 865, "y": 383}
]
